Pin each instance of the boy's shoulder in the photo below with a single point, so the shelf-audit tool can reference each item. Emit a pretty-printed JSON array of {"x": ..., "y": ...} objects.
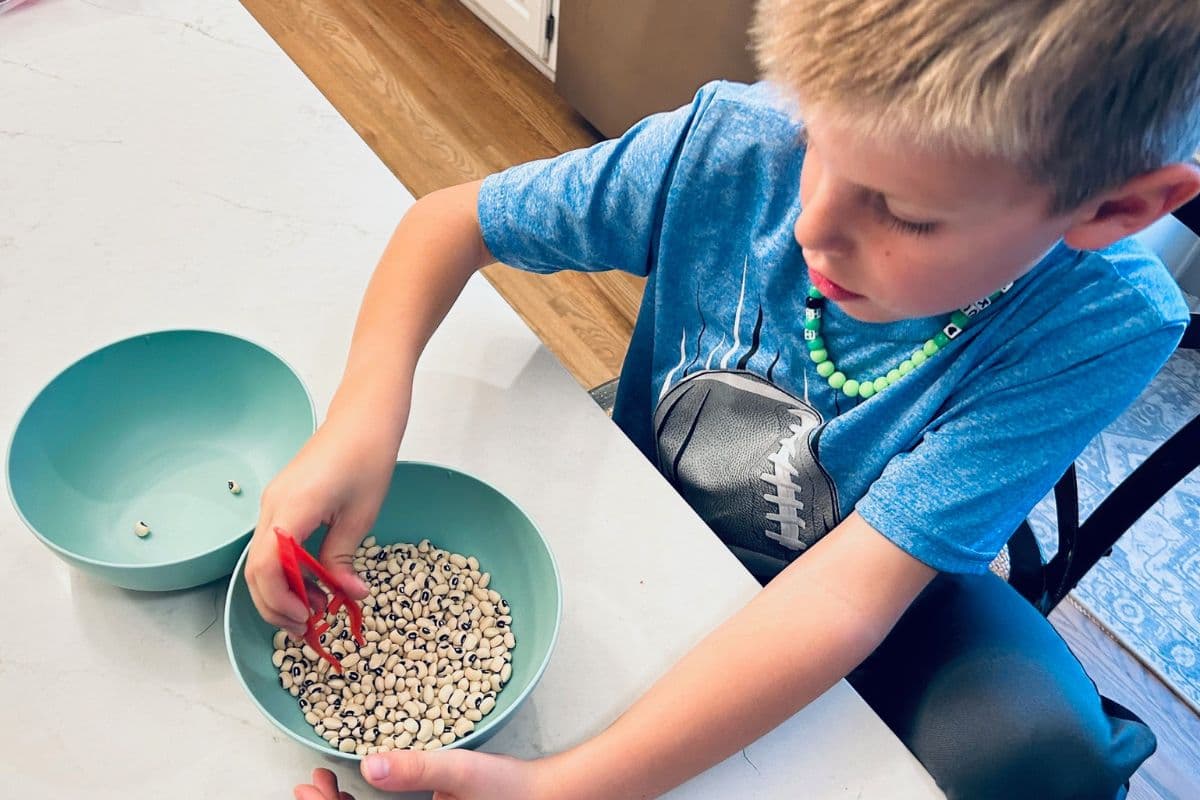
[
  {"x": 762, "y": 97},
  {"x": 727, "y": 102},
  {"x": 758, "y": 110},
  {"x": 1143, "y": 280}
]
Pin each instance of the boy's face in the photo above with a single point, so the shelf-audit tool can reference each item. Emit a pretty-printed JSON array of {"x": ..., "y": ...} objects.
[{"x": 912, "y": 233}]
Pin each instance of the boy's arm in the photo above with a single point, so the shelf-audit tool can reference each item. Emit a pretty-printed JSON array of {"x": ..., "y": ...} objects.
[
  {"x": 342, "y": 472},
  {"x": 434, "y": 251},
  {"x": 806, "y": 630}
]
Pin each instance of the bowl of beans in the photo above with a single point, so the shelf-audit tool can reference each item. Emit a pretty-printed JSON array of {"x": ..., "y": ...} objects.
[
  {"x": 143, "y": 461},
  {"x": 459, "y": 627}
]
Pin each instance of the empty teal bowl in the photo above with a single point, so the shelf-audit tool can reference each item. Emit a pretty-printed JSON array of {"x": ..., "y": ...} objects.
[
  {"x": 151, "y": 429},
  {"x": 456, "y": 512}
]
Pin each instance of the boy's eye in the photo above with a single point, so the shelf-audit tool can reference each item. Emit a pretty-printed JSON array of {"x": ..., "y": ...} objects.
[
  {"x": 914, "y": 228},
  {"x": 902, "y": 225}
]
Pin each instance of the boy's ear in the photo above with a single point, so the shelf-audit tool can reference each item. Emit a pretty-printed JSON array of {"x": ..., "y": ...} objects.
[{"x": 1132, "y": 206}]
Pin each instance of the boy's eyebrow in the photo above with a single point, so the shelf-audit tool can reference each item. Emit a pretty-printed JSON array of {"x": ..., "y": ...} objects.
[{"x": 911, "y": 208}]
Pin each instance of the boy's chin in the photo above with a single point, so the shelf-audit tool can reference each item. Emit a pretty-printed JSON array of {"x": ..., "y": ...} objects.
[{"x": 863, "y": 310}]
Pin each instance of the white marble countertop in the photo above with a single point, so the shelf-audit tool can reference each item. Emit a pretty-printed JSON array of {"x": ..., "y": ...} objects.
[{"x": 163, "y": 164}]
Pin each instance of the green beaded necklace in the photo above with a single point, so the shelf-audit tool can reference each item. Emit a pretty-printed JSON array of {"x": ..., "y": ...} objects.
[{"x": 818, "y": 351}]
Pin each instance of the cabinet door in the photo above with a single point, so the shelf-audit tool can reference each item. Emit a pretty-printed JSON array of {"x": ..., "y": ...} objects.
[{"x": 525, "y": 20}]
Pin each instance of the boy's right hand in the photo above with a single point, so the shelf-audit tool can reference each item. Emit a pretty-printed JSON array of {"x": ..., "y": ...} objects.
[{"x": 339, "y": 479}]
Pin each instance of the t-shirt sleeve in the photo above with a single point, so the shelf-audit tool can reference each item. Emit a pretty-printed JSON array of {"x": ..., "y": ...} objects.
[
  {"x": 1007, "y": 437},
  {"x": 595, "y": 209}
]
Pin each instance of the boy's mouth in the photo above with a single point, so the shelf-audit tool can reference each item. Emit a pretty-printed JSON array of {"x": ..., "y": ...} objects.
[{"x": 830, "y": 289}]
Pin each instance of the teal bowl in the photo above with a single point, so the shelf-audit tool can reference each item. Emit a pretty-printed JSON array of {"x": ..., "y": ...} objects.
[
  {"x": 151, "y": 429},
  {"x": 456, "y": 512}
]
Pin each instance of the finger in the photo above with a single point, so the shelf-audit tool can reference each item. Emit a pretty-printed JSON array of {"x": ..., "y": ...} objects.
[
  {"x": 306, "y": 792},
  {"x": 269, "y": 588},
  {"x": 317, "y": 599},
  {"x": 446, "y": 771},
  {"x": 337, "y": 554},
  {"x": 276, "y": 594},
  {"x": 326, "y": 781}
]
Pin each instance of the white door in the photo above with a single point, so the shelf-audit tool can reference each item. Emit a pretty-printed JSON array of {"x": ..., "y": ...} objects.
[{"x": 524, "y": 20}]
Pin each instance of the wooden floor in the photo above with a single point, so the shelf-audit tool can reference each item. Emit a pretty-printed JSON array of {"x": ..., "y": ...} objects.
[{"x": 443, "y": 100}]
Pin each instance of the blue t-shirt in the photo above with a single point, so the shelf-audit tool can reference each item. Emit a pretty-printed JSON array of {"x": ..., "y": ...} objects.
[{"x": 718, "y": 388}]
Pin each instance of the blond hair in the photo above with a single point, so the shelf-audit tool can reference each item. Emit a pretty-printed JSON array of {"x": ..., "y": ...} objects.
[{"x": 1082, "y": 95}]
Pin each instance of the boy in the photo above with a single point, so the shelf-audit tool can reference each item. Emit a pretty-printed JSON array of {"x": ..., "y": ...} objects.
[{"x": 874, "y": 338}]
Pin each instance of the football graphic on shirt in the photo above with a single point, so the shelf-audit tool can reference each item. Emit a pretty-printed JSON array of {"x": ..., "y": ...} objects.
[{"x": 739, "y": 450}]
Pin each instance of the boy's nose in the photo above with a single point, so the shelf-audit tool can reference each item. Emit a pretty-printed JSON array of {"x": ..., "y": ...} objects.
[
  {"x": 817, "y": 231},
  {"x": 824, "y": 222}
]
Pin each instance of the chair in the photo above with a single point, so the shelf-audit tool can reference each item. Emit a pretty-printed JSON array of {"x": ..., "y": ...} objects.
[{"x": 1082, "y": 545}]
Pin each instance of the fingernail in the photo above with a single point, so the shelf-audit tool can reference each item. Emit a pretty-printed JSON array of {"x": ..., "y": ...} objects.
[
  {"x": 358, "y": 585},
  {"x": 376, "y": 768}
]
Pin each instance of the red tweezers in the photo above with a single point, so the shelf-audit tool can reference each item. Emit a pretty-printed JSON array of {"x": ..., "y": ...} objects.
[{"x": 292, "y": 556}]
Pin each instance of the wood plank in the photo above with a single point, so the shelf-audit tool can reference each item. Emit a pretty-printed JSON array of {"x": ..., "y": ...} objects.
[{"x": 442, "y": 100}]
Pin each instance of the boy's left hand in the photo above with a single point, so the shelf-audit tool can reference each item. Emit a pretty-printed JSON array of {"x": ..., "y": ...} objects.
[
  {"x": 324, "y": 786},
  {"x": 449, "y": 774}
]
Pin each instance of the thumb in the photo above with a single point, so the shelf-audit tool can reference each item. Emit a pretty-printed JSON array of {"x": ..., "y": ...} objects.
[
  {"x": 337, "y": 554},
  {"x": 445, "y": 772}
]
